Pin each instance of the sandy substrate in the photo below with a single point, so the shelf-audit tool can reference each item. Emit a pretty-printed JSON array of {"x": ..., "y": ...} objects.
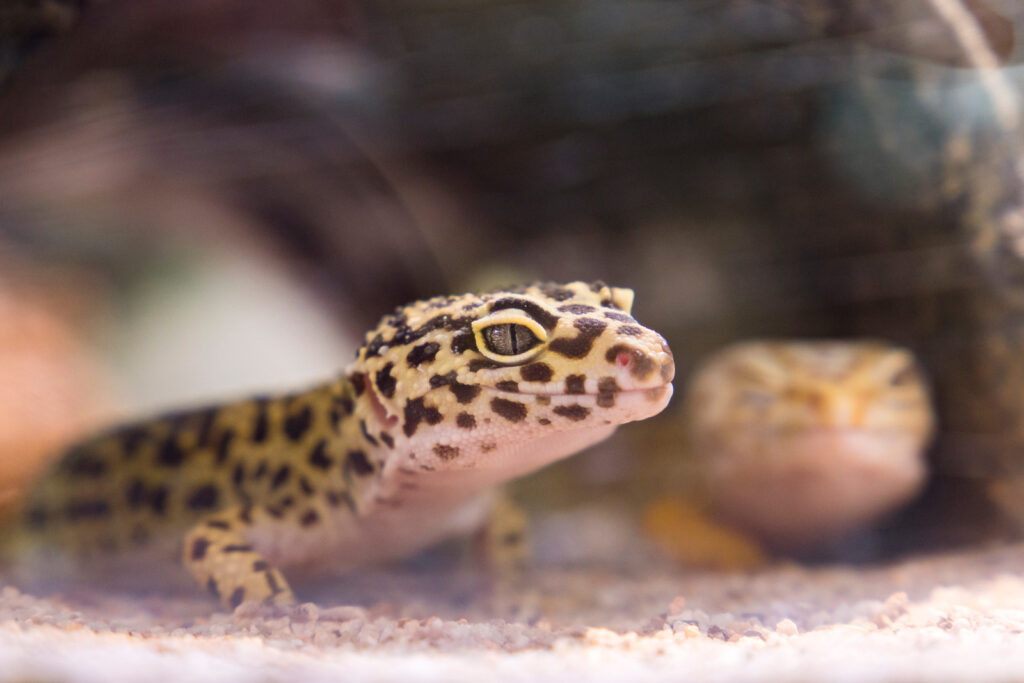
[{"x": 943, "y": 617}]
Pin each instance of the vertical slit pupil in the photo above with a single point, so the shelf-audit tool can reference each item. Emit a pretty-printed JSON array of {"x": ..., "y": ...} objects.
[{"x": 512, "y": 337}]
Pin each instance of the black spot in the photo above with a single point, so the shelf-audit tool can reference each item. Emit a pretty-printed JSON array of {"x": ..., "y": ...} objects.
[
  {"x": 87, "y": 508},
  {"x": 206, "y": 418},
  {"x": 346, "y": 405},
  {"x": 423, "y": 353},
  {"x": 236, "y": 598},
  {"x": 218, "y": 524},
  {"x": 536, "y": 312},
  {"x": 238, "y": 548},
  {"x": 296, "y": 426},
  {"x": 597, "y": 285},
  {"x": 618, "y": 317},
  {"x": 577, "y": 309},
  {"x": 224, "y": 446},
  {"x": 385, "y": 382},
  {"x": 309, "y": 518},
  {"x": 483, "y": 364},
  {"x": 558, "y": 293},
  {"x": 544, "y": 421},
  {"x": 274, "y": 511},
  {"x": 574, "y": 384},
  {"x": 272, "y": 583},
  {"x": 465, "y": 420},
  {"x": 261, "y": 470},
  {"x": 135, "y": 495},
  {"x": 460, "y": 325},
  {"x": 446, "y": 452},
  {"x": 374, "y": 346},
  {"x": 573, "y": 412},
  {"x": 366, "y": 433},
  {"x": 280, "y": 477},
  {"x": 199, "y": 547},
  {"x": 630, "y": 330},
  {"x": 203, "y": 498},
  {"x": 318, "y": 456},
  {"x": 170, "y": 453},
  {"x": 358, "y": 380},
  {"x": 388, "y": 440},
  {"x": 131, "y": 439},
  {"x": 260, "y": 566},
  {"x": 85, "y": 465},
  {"x": 306, "y": 487},
  {"x": 158, "y": 500},
  {"x": 536, "y": 372},
  {"x": 579, "y": 346},
  {"x": 417, "y": 411},
  {"x": 238, "y": 475},
  {"x": 508, "y": 385},
  {"x": 463, "y": 340},
  {"x": 607, "y": 387},
  {"x": 464, "y": 393},
  {"x": 510, "y": 410},
  {"x": 211, "y": 586},
  {"x": 359, "y": 463},
  {"x": 245, "y": 516},
  {"x": 260, "y": 426}
]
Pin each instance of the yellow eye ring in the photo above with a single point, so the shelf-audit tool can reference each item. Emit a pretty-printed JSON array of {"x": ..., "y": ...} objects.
[{"x": 519, "y": 328}]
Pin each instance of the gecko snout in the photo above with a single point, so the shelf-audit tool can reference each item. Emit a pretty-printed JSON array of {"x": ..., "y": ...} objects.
[{"x": 643, "y": 364}]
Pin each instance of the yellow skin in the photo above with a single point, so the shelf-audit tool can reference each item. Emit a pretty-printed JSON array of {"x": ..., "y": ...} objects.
[
  {"x": 446, "y": 399},
  {"x": 802, "y": 441}
]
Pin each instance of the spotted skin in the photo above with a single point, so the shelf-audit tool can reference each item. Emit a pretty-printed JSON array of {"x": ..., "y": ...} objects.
[{"x": 401, "y": 450}]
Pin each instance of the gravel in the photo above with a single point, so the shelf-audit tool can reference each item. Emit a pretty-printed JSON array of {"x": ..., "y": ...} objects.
[{"x": 939, "y": 617}]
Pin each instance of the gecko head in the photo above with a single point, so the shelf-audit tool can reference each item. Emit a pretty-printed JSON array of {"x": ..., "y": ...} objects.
[
  {"x": 512, "y": 379},
  {"x": 802, "y": 440}
]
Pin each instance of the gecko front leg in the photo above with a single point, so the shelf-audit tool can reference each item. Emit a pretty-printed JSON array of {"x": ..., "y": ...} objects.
[
  {"x": 219, "y": 556},
  {"x": 503, "y": 542}
]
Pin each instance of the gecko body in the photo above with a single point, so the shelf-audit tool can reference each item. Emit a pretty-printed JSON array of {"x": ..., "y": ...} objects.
[{"x": 446, "y": 399}]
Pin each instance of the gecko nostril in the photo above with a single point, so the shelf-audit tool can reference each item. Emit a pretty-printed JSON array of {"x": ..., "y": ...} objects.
[{"x": 624, "y": 356}]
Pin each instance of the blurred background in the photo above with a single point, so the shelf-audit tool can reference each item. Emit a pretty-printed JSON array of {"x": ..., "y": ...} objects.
[{"x": 203, "y": 198}]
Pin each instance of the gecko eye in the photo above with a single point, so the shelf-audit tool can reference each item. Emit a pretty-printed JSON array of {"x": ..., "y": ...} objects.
[
  {"x": 898, "y": 369},
  {"x": 904, "y": 376},
  {"x": 509, "y": 336},
  {"x": 509, "y": 339}
]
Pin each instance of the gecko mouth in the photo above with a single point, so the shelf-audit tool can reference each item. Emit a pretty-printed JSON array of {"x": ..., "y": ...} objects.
[
  {"x": 623, "y": 405},
  {"x": 652, "y": 393}
]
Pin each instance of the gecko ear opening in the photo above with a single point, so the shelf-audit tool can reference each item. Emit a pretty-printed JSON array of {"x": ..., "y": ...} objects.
[{"x": 384, "y": 416}]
